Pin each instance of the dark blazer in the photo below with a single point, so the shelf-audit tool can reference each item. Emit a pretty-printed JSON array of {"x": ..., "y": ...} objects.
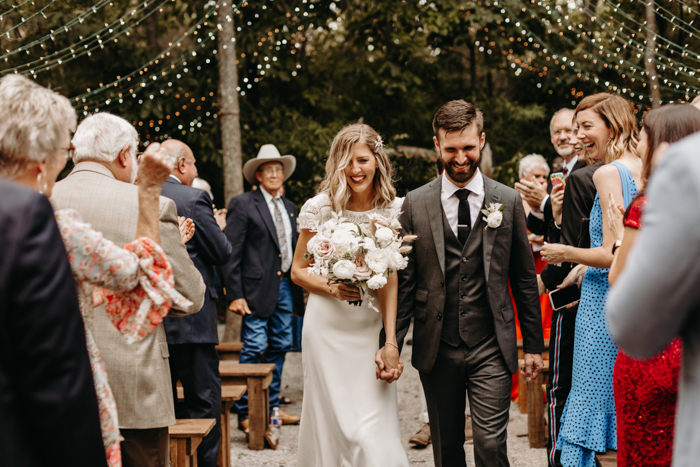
[
  {"x": 254, "y": 270},
  {"x": 48, "y": 405},
  {"x": 546, "y": 227},
  {"x": 207, "y": 248},
  {"x": 507, "y": 257}
]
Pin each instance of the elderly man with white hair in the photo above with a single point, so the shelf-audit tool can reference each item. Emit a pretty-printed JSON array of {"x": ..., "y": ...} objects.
[{"x": 100, "y": 187}]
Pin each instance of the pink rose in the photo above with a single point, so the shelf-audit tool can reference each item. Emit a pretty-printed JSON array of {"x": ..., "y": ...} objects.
[
  {"x": 362, "y": 271},
  {"x": 377, "y": 221},
  {"x": 323, "y": 250}
]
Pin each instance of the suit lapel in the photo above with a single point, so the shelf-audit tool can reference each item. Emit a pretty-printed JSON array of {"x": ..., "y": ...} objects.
[
  {"x": 491, "y": 195},
  {"x": 264, "y": 211},
  {"x": 433, "y": 207}
]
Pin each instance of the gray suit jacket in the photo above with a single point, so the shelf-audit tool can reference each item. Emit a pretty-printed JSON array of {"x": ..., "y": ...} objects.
[
  {"x": 657, "y": 297},
  {"x": 506, "y": 254},
  {"x": 139, "y": 374}
]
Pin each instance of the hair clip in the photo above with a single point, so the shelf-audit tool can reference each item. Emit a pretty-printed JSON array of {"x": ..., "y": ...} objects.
[{"x": 379, "y": 143}]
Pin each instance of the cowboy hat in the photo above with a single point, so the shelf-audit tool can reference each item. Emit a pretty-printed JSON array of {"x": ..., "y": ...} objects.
[{"x": 268, "y": 153}]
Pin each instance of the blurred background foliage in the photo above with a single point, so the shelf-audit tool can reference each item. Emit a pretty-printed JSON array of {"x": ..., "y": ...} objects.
[{"x": 309, "y": 67}]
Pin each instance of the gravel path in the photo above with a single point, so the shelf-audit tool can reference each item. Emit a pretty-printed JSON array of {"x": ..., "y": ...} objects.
[{"x": 519, "y": 452}]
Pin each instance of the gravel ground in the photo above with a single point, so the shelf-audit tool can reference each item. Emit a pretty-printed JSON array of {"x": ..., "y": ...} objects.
[{"x": 519, "y": 452}]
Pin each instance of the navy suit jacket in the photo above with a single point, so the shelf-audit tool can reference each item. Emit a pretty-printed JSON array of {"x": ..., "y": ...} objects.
[
  {"x": 254, "y": 271},
  {"x": 48, "y": 405},
  {"x": 207, "y": 248}
]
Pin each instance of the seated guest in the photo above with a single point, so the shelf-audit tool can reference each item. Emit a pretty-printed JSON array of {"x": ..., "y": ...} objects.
[
  {"x": 100, "y": 188},
  {"x": 656, "y": 298},
  {"x": 95, "y": 261},
  {"x": 646, "y": 391}
]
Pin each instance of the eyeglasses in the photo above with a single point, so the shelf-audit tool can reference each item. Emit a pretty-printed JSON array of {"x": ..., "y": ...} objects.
[
  {"x": 70, "y": 152},
  {"x": 274, "y": 170}
]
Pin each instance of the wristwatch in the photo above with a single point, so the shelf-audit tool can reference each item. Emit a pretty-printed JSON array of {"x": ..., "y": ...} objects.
[{"x": 616, "y": 245}]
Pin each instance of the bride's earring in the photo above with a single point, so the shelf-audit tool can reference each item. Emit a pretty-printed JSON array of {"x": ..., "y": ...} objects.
[{"x": 39, "y": 178}]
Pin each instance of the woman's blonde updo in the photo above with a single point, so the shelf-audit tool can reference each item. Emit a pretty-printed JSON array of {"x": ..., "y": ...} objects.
[
  {"x": 617, "y": 114},
  {"x": 335, "y": 184}
]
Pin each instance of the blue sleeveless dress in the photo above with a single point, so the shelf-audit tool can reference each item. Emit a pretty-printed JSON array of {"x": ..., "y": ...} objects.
[{"x": 588, "y": 423}]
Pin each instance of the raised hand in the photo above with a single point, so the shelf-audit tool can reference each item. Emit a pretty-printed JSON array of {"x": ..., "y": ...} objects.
[
  {"x": 615, "y": 218},
  {"x": 557, "y": 198},
  {"x": 154, "y": 167},
  {"x": 186, "y": 228},
  {"x": 220, "y": 216},
  {"x": 533, "y": 193}
]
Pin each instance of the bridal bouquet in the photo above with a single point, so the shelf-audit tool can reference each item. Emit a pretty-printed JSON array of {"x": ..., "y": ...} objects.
[{"x": 344, "y": 252}]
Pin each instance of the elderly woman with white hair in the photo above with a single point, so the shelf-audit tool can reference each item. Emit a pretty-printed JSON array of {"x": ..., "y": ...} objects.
[{"x": 135, "y": 282}]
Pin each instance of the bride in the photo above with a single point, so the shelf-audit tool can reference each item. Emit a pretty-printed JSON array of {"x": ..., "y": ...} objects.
[{"x": 349, "y": 414}]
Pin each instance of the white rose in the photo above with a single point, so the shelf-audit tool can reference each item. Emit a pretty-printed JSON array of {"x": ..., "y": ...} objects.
[
  {"x": 312, "y": 243},
  {"x": 395, "y": 224},
  {"x": 377, "y": 282},
  {"x": 495, "y": 219},
  {"x": 377, "y": 261},
  {"x": 342, "y": 240},
  {"x": 344, "y": 269},
  {"x": 398, "y": 261},
  {"x": 359, "y": 242},
  {"x": 384, "y": 237}
]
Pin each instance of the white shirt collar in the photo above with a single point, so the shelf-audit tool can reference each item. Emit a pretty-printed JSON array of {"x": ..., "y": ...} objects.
[
  {"x": 570, "y": 165},
  {"x": 175, "y": 178},
  {"x": 268, "y": 197},
  {"x": 476, "y": 185}
]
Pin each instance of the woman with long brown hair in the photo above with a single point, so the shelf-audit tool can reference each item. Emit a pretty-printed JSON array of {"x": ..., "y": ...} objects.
[{"x": 607, "y": 129}]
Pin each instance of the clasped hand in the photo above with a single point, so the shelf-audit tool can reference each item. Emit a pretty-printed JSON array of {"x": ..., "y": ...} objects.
[
  {"x": 389, "y": 365},
  {"x": 532, "y": 365}
]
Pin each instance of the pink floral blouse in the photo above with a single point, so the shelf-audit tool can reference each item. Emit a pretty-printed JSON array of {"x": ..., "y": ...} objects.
[{"x": 135, "y": 283}]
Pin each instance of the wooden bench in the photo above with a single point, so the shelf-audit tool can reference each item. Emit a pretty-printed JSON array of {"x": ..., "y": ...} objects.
[
  {"x": 609, "y": 459},
  {"x": 229, "y": 350},
  {"x": 522, "y": 390},
  {"x": 185, "y": 437},
  {"x": 229, "y": 395},
  {"x": 257, "y": 377},
  {"x": 536, "y": 407}
]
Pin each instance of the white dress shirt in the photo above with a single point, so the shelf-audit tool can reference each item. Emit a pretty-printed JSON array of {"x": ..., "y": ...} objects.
[
  {"x": 450, "y": 202},
  {"x": 285, "y": 218}
]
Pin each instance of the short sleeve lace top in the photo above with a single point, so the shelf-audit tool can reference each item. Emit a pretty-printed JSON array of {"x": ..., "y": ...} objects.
[{"x": 317, "y": 210}]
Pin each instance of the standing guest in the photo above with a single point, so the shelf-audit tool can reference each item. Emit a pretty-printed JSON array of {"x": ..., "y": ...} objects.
[
  {"x": 100, "y": 188},
  {"x": 608, "y": 131},
  {"x": 569, "y": 217},
  {"x": 557, "y": 164},
  {"x": 656, "y": 297},
  {"x": 192, "y": 339},
  {"x": 261, "y": 228},
  {"x": 646, "y": 391},
  {"x": 48, "y": 408}
]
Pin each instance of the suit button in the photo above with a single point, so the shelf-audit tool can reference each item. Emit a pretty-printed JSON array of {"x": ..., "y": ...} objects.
[
  {"x": 464, "y": 260},
  {"x": 279, "y": 273},
  {"x": 462, "y": 314},
  {"x": 439, "y": 316},
  {"x": 280, "y": 255},
  {"x": 464, "y": 278},
  {"x": 442, "y": 283},
  {"x": 462, "y": 296}
]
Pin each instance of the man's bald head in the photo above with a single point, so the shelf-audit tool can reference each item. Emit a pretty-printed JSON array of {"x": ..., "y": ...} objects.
[
  {"x": 183, "y": 160},
  {"x": 696, "y": 101}
]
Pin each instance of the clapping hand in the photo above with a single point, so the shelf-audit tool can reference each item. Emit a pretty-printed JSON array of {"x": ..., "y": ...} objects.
[
  {"x": 615, "y": 216},
  {"x": 532, "y": 192},
  {"x": 186, "y": 228},
  {"x": 557, "y": 198},
  {"x": 389, "y": 365},
  {"x": 220, "y": 216},
  {"x": 155, "y": 167}
]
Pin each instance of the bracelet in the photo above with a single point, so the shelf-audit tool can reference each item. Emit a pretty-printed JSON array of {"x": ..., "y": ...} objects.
[{"x": 391, "y": 343}]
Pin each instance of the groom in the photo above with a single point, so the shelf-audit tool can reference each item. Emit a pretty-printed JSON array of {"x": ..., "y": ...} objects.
[{"x": 456, "y": 288}]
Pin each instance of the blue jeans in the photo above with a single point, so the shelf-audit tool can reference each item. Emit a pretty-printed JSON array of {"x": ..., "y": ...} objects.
[{"x": 269, "y": 336}]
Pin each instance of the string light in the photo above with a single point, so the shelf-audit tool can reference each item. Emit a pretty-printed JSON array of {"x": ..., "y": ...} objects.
[{"x": 40, "y": 12}]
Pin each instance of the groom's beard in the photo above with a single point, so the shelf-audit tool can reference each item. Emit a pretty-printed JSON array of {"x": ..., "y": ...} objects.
[{"x": 461, "y": 177}]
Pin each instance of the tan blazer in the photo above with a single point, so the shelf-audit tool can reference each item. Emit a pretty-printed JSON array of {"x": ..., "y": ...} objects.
[{"x": 139, "y": 374}]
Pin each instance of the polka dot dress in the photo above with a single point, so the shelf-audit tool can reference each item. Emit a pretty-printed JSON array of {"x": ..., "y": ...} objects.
[{"x": 588, "y": 421}]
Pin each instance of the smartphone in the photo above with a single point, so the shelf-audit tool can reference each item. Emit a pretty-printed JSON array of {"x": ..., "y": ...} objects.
[
  {"x": 557, "y": 178},
  {"x": 561, "y": 297}
]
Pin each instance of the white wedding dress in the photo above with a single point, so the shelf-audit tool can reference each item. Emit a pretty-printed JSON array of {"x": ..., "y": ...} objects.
[{"x": 348, "y": 417}]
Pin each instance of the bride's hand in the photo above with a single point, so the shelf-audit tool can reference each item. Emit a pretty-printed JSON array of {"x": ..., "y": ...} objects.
[
  {"x": 348, "y": 293},
  {"x": 386, "y": 358}
]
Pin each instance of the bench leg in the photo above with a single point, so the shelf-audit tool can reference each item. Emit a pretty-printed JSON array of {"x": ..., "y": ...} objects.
[
  {"x": 178, "y": 453},
  {"x": 258, "y": 413},
  {"x": 535, "y": 412},
  {"x": 522, "y": 393},
  {"x": 224, "y": 459}
]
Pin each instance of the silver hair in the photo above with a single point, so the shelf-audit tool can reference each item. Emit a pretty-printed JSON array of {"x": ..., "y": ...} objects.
[
  {"x": 551, "y": 122},
  {"x": 203, "y": 185},
  {"x": 530, "y": 163},
  {"x": 33, "y": 122},
  {"x": 177, "y": 152},
  {"x": 101, "y": 137}
]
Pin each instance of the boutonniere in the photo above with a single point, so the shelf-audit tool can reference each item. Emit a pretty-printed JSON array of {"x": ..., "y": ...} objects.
[{"x": 494, "y": 215}]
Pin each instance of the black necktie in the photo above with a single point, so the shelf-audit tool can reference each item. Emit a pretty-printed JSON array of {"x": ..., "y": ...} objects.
[{"x": 464, "y": 218}]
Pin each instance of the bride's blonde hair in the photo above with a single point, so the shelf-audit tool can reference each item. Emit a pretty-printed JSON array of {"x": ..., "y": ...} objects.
[{"x": 335, "y": 184}]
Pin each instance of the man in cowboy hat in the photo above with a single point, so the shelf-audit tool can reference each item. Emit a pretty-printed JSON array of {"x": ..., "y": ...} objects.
[{"x": 261, "y": 227}]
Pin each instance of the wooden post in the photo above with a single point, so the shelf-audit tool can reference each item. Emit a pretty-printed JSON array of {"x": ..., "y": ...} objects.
[
  {"x": 535, "y": 418},
  {"x": 230, "y": 128},
  {"x": 650, "y": 55}
]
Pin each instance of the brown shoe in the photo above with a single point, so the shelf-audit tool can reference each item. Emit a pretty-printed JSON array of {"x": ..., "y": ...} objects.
[
  {"x": 468, "y": 434},
  {"x": 422, "y": 437},
  {"x": 243, "y": 426},
  {"x": 289, "y": 419}
]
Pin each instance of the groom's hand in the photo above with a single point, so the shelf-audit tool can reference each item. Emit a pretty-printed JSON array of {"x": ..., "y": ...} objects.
[
  {"x": 532, "y": 365},
  {"x": 383, "y": 371}
]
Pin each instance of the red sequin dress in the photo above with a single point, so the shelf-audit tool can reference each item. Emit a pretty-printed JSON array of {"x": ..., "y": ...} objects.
[{"x": 645, "y": 395}]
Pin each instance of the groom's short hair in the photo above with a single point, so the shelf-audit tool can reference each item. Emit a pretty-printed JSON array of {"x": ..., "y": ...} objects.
[{"x": 456, "y": 116}]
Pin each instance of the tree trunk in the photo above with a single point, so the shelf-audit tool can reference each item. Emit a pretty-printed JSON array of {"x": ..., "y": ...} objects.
[
  {"x": 649, "y": 55},
  {"x": 230, "y": 128}
]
